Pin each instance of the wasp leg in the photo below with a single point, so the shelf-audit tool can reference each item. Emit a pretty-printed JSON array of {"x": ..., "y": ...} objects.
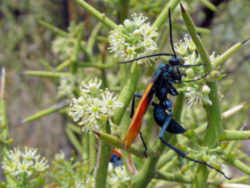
[
  {"x": 138, "y": 95},
  {"x": 144, "y": 144},
  {"x": 183, "y": 155}
]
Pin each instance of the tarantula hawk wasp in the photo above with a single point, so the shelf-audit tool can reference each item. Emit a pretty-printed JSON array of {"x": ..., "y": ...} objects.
[{"x": 160, "y": 86}]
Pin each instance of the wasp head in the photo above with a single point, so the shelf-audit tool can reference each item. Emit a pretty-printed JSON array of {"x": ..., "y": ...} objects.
[{"x": 176, "y": 61}]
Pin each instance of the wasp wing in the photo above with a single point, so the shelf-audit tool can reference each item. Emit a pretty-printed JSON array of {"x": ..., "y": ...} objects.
[{"x": 135, "y": 125}]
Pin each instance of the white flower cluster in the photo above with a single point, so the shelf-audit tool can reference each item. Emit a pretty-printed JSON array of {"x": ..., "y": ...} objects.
[
  {"x": 195, "y": 92},
  {"x": 118, "y": 174},
  {"x": 66, "y": 86},
  {"x": 27, "y": 162},
  {"x": 196, "y": 95},
  {"x": 63, "y": 47},
  {"x": 94, "y": 106},
  {"x": 135, "y": 38}
]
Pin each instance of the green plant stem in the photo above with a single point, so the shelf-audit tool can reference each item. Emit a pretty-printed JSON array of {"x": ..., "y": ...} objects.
[
  {"x": 192, "y": 31},
  {"x": 4, "y": 132},
  {"x": 227, "y": 54},
  {"x": 92, "y": 151},
  {"x": 123, "y": 9},
  {"x": 243, "y": 156},
  {"x": 234, "y": 135},
  {"x": 51, "y": 27},
  {"x": 65, "y": 64},
  {"x": 112, "y": 140},
  {"x": 163, "y": 16},
  {"x": 45, "y": 112},
  {"x": 209, "y": 5},
  {"x": 240, "y": 179},
  {"x": 92, "y": 38},
  {"x": 98, "y": 65},
  {"x": 234, "y": 110},
  {"x": 178, "y": 107},
  {"x": 143, "y": 178},
  {"x": 46, "y": 74},
  {"x": 104, "y": 153},
  {"x": 127, "y": 92},
  {"x": 74, "y": 141},
  {"x": 179, "y": 178},
  {"x": 77, "y": 48},
  {"x": 75, "y": 128},
  {"x": 238, "y": 164},
  {"x": 198, "y": 29},
  {"x": 170, "y": 163},
  {"x": 100, "y": 16},
  {"x": 213, "y": 111}
]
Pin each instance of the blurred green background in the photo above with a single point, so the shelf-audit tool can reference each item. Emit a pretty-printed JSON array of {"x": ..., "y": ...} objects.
[{"x": 26, "y": 45}]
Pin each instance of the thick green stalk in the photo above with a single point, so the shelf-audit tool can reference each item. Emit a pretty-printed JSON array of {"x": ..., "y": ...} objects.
[
  {"x": 127, "y": 92},
  {"x": 213, "y": 111},
  {"x": 45, "y": 112},
  {"x": 227, "y": 54},
  {"x": 200, "y": 30},
  {"x": 143, "y": 178},
  {"x": 123, "y": 9},
  {"x": 76, "y": 51},
  {"x": 65, "y": 64},
  {"x": 98, "y": 65},
  {"x": 234, "y": 110},
  {"x": 173, "y": 177},
  {"x": 46, "y": 74},
  {"x": 178, "y": 107},
  {"x": 92, "y": 38},
  {"x": 209, "y": 5},
  {"x": 100, "y": 16},
  {"x": 114, "y": 141},
  {"x": 92, "y": 151},
  {"x": 162, "y": 18},
  {"x": 3, "y": 113},
  {"x": 234, "y": 135},
  {"x": 238, "y": 164},
  {"x": 51, "y": 27},
  {"x": 74, "y": 141},
  {"x": 104, "y": 153}
]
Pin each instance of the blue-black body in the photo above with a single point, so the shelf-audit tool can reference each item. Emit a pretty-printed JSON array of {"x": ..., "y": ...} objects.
[
  {"x": 116, "y": 160},
  {"x": 164, "y": 79}
]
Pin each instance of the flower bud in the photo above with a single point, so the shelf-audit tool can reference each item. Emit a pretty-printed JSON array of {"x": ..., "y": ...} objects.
[{"x": 206, "y": 90}]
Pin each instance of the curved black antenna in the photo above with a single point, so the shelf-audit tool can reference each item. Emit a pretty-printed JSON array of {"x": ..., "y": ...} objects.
[
  {"x": 147, "y": 56},
  {"x": 170, "y": 31}
]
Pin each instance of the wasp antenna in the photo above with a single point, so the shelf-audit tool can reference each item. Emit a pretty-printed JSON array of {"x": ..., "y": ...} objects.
[
  {"x": 170, "y": 31},
  {"x": 144, "y": 57}
]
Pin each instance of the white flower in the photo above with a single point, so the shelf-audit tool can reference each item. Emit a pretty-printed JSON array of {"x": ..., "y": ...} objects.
[
  {"x": 135, "y": 38},
  {"x": 110, "y": 102},
  {"x": 92, "y": 86},
  {"x": 66, "y": 86},
  {"x": 29, "y": 162},
  {"x": 64, "y": 47},
  {"x": 94, "y": 107},
  {"x": 60, "y": 156},
  {"x": 195, "y": 95},
  {"x": 117, "y": 174},
  {"x": 185, "y": 46}
]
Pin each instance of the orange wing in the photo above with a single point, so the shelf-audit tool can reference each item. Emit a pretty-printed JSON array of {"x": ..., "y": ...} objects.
[{"x": 135, "y": 125}]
